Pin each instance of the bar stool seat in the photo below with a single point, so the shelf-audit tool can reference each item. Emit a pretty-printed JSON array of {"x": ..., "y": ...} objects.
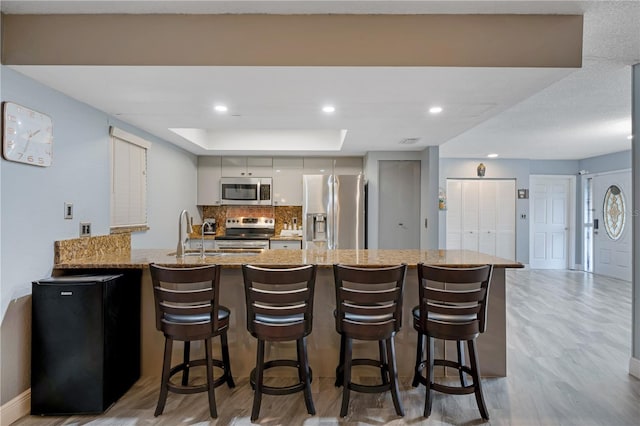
[
  {"x": 369, "y": 307},
  {"x": 188, "y": 309},
  {"x": 280, "y": 308},
  {"x": 453, "y": 306}
]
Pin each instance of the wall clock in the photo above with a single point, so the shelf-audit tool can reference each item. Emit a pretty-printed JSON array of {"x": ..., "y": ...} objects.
[{"x": 27, "y": 135}]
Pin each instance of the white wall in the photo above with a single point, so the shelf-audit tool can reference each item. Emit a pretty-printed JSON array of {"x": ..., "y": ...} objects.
[{"x": 33, "y": 198}]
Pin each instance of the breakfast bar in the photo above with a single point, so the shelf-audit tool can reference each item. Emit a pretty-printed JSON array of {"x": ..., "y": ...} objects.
[{"x": 324, "y": 342}]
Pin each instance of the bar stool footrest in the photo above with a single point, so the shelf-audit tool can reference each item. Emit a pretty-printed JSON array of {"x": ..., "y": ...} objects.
[
  {"x": 199, "y": 388},
  {"x": 280, "y": 390}
]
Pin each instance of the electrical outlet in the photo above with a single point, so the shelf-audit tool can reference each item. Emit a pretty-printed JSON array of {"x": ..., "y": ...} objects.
[
  {"x": 294, "y": 220},
  {"x": 68, "y": 210},
  {"x": 85, "y": 229}
]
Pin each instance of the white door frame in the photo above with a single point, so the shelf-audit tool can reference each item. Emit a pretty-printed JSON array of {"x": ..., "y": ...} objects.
[{"x": 572, "y": 215}]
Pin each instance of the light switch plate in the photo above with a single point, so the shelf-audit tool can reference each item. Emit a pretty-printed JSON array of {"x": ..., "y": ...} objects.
[{"x": 68, "y": 210}]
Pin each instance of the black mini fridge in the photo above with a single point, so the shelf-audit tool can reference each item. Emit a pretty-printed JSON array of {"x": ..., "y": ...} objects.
[{"x": 85, "y": 342}]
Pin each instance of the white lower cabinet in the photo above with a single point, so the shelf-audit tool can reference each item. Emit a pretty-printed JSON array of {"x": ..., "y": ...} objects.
[{"x": 286, "y": 244}]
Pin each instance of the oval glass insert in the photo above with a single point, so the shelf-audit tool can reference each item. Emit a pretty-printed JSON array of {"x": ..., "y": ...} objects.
[{"x": 614, "y": 212}]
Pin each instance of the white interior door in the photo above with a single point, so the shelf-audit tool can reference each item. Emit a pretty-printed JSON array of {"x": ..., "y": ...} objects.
[
  {"x": 506, "y": 219},
  {"x": 487, "y": 217},
  {"x": 470, "y": 210},
  {"x": 549, "y": 236},
  {"x": 454, "y": 214},
  {"x": 612, "y": 238}
]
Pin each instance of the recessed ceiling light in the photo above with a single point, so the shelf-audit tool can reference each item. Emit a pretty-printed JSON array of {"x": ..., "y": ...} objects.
[
  {"x": 492, "y": 155},
  {"x": 221, "y": 108},
  {"x": 328, "y": 109},
  {"x": 435, "y": 110},
  {"x": 630, "y": 137}
]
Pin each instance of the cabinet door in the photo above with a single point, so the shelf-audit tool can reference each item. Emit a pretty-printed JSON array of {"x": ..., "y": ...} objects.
[
  {"x": 209, "y": 173},
  {"x": 259, "y": 166},
  {"x": 286, "y": 244},
  {"x": 287, "y": 181},
  {"x": 347, "y": 166},
  {"x": 234, "y": 166},
  {"x": 318, "y": 166}
]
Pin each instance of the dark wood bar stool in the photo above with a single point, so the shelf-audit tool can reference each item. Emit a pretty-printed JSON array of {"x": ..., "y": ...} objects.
[
  {"x": 280, "y": 308},
  {"x": 369, "y": 307},
  {"x": 187, "y": 309},
  {"x": 453, "y": 306}
]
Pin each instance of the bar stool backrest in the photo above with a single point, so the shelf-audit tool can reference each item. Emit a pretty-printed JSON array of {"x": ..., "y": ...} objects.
[
  {"x": 186, "y": 301},
  {"x": 279, "y": 301},
  {"x": 453, "y": 301},
  {"x": 369, "y": 300}
]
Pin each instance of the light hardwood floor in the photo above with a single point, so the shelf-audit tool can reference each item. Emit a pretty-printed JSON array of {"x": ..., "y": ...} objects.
[{"x": 569, "y": 339}]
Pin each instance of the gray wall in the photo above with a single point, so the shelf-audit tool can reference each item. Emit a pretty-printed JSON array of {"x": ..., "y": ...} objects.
[{"x": 32, "y": 200}]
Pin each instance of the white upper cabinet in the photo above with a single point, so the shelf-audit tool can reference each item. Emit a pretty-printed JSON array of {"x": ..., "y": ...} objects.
[
  {"x": 318, "y": 166},
  {"x": 347, "y": 166},
  {"x": 247, "y": 166},
  {"x": 209, "y": 174},
  {"x": 287, "y": 181}
]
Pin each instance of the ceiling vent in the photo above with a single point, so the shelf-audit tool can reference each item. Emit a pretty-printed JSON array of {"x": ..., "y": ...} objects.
[{"x": 409, "y": 141}]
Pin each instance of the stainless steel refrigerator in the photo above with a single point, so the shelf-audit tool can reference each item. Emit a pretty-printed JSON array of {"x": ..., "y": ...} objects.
[{"x": 333, "y": 211}]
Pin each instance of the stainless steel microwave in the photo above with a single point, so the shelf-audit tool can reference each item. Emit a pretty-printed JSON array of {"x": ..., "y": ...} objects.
[{"x": 246, "y": 191}]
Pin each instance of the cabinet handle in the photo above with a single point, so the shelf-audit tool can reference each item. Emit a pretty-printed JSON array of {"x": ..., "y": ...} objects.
[
  {"x": 249, "y": 173},
  {"x": 242, "y": 174}
]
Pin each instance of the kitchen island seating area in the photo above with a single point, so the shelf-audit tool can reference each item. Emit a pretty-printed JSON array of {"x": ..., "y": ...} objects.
[
  {"x": 279, "y": 304},
  {"x": 188, "y": 309}
]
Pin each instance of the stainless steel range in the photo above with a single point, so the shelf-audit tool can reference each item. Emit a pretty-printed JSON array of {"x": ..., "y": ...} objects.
[{"x": 247, "y": 233}]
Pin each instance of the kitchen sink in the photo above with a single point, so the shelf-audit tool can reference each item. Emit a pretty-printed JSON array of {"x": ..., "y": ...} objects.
[{"x": 220, "y": 252}]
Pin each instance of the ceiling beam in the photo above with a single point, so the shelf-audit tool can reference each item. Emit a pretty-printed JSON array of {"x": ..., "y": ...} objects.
[{"x": 294, "y": 40}]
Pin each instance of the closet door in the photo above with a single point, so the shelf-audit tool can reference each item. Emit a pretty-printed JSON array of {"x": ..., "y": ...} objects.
[
  {"x": 487, "y": 217},
  {"x": 506, "y": 219},
  {"x": 470, "y": 217},
  {"x": 454, "y": 214}
]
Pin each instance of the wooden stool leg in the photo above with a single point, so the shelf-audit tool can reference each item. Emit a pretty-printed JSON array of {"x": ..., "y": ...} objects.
[
  {"x": 211, "y": 389},
  {"x": 393, "y": 374},
  {"x": 185, "y": 360},
  {"x": 429, "y": 375},
  {"x": 164, "y": 382},
  {"x": 257, "y": 396},
  {"x": 225, "y": 359},
  {"x": 463, "y": 377},
  {"x": 340, "y": 367},
  {"x": 303, "y": 369},
  {"x": 384, "y": 363},
  {"x": 346, "y": 375},
  {"x": 416, "y": 370},
  {"x": 475, "y": 368}
]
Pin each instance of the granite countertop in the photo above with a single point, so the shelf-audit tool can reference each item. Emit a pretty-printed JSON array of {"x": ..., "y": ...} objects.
[{"x": 324, "y": 258}]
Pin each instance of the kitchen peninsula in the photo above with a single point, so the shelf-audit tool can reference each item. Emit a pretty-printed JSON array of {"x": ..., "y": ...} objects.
[{"x": 323, "y": 343}]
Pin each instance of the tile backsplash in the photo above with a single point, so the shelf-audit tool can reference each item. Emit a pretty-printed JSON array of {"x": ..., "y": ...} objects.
[{"x": 281, "y": 214}]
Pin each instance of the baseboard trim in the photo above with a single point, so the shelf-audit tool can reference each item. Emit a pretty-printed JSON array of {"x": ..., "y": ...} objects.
[
  {"x": 578, "y": 267},
  {"x": 634, "y": 367},
  {"x": 15, "y": 409}
]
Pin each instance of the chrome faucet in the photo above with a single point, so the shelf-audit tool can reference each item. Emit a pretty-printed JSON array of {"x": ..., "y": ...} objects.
[
  {"x": 202, "y": 255},
  {"x": 182, "y": 240}
]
